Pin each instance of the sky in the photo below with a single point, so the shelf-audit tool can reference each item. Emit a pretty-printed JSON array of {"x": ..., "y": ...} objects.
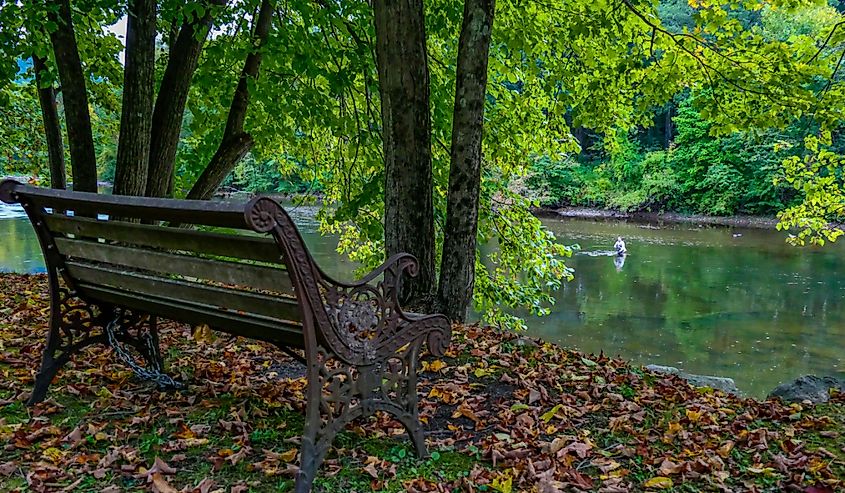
[{"x": 119, "y": 29}]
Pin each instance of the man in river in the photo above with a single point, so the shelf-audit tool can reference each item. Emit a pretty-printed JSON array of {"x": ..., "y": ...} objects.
[{"x": 620, "y": 246}]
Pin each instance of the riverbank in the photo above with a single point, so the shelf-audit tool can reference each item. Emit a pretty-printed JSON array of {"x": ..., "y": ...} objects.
[
  {"x": 502, "y": 413},
  {"x": 739, "y": 221}
]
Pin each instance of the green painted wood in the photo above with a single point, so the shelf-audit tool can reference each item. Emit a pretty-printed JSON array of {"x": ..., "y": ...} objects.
[
  {"x": 245, "y": 325},
  {"x": 225, "y": 214},
  {"x": 229, "y": 273},
  {"x": 233, "y": 300},
  {"x": 226, "y": 245}
]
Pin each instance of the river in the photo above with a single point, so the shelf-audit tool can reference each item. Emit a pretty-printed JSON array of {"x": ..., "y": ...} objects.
[{"x": 728, "y": 302}]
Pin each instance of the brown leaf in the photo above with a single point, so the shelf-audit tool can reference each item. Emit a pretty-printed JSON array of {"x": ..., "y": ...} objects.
[
  {"x": 371, "y": 470},
  {"x": 159, "y": 466},
  {"x": 578, "y": 448},
  {"x": 725, "y": 450},
  {"x": 7, "y": 468},
  {"x": 204, "y": 486},
  {"x": 159, "y": 485},
  {"x": 667, "y": 467}
]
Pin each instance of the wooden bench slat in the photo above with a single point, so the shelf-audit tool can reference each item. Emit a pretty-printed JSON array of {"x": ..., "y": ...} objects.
[
  {"x": 225, "y": 214},
  {"x": 280, "y": 307},
  {"x": 245, "y": 325},
  {"x": 227, "y": 245},
  {"x": 240, "y": 274}
]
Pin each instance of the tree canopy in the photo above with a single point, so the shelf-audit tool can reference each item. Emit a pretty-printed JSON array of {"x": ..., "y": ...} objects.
[{"x": 305, "y": 93}]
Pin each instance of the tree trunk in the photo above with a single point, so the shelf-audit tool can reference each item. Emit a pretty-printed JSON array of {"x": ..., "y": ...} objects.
[
  {"x": 235, "y": 142},
  {"x": 52, "y": 127},
  {"x": 133, "y": 151},
  {"x": 231, "y": 151},
  {"x": 457, "y": 267},
  {"x": 669, "y": 127},
  {"x": 406, "y": 131},
  {"x": 74, "y": 96},
  {"x": 170, "y": 103}
]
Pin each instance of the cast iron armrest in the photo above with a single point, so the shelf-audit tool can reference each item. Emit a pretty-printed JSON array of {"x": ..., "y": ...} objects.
[{"x": 407, "y": 328}]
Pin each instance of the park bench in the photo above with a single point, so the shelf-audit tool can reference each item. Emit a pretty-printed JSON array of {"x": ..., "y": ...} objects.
[{"x": 115, "y": 264}]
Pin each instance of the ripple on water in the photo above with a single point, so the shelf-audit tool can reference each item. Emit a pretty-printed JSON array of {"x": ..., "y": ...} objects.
[{"x": 12, "y": 211}]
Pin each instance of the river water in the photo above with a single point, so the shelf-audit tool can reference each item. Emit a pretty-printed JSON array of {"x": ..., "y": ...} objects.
[{"x": 728, "y": 302}]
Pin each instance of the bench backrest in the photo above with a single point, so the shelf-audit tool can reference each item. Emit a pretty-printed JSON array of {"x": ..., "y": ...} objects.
[{"x": 126, "y": 251}]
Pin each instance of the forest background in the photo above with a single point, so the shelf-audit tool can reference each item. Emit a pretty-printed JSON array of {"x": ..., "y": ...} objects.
[{"x": 684, "y": 106}]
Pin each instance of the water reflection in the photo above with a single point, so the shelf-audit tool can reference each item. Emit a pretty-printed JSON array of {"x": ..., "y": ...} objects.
[{"x": 747, "y": 307}]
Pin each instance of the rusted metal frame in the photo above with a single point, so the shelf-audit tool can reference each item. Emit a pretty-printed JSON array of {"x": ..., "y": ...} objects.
[
  {"x": 361, "y": 349},
  {"x": 73, "y": 318}
]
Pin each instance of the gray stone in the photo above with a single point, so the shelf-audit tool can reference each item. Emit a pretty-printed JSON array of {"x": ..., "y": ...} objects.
[
  {"x": 719, "y": 383},
  {"x": 808, "y": 388},
  {"x": 523, "y": 341}
]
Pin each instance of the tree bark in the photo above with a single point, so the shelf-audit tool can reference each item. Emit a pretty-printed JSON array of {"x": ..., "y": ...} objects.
[
  {"x": 406, "y": 132},
  {"x": 74, "y": 96},
  {"x": 133, "y": 151},
  {"x": 457, "y": 267},
  {"x": 230, "y": 152},
  {"x": 170, "y": 103},
  {"x": 669, "y": 126},
  {"x": 52, "y": 126},
  {"x": 235, "y": 142}
]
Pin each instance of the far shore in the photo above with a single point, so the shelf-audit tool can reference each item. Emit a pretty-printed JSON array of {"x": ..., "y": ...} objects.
[{"x": 738, "y": 221}]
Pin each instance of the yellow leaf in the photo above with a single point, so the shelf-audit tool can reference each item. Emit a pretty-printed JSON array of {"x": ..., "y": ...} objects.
[
  {"x": 693, "y": 416},
  {"x": 288, "y": 456},
  {"x": 503, "y": 484},
  {"x": 661, "y": 482},
  {"x": 434, "y": 366},
  {"x": 203, "y": 333},
  {"x": 53, "y": 454},
  {"x": 481, "y": 372},
  {"x": 546, "y": 417}
]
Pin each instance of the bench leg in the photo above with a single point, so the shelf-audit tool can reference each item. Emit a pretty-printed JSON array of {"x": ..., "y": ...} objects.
[
  {"x": 338, "y": 394},
  {"x": 45, "y": 375},
  {"x": 71, "y": 321}
]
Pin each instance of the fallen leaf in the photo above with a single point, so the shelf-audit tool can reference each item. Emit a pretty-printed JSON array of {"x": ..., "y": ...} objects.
[
  {"x": 661, "y": 482},
  {"x": 160, "y": 485}
]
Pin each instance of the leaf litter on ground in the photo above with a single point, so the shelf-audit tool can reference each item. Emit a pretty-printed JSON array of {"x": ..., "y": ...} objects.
[{"x": 503, "y": 413}]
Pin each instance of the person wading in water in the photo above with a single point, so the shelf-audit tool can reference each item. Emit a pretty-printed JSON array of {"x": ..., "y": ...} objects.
[{"x": 620, "y": 246}]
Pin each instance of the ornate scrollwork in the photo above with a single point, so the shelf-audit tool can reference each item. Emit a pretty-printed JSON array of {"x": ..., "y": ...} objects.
[
  {"x": 78, "y": 323},
  {"x": 7, "y": 191},
  {"x": 361, "y": 349},
  {"x": 262, "y": 214}
]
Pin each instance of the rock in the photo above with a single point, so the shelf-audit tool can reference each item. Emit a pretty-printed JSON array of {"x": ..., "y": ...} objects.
[
  {"x": 808, "y": 388},
  {"x": 523, "y": 341},
  {"x": 719, "y": 383}
]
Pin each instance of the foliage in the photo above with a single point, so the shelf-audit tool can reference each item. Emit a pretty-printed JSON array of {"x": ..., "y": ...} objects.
[
  {"x": 554, "y": 66},
  {"x": 818, "y": 174},
  {"x": 25, "y": 149},
  {"x": 253, "y": 176},
  {"x": 699, "y": 173}
]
